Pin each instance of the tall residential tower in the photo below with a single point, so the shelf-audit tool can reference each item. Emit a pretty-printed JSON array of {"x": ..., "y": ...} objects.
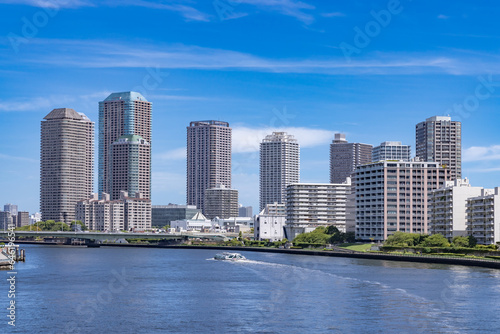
[
  {"x": 439, "y": 139},
  {"x": 66, "y": 163},
  {"x": 125, "y": 145},
  {"x": 208, "y": 159},
  {"x": 279, "y": 167}
]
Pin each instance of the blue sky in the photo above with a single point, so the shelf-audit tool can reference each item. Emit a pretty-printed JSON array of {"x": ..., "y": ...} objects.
[{"x": 371, "y": 69}]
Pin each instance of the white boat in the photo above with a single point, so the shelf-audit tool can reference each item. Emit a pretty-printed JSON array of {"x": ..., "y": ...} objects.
[{"x": 229, "y": 256}]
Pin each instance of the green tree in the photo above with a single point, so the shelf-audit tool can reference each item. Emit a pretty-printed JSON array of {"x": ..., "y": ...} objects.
[
  {"x": 402, "y": 239},
  {"x": 350, "y": 237},
  {"x": 331, "y": 230},
  {"x": 472, "y": 241},
  {"x": 318, "y": 236},
  {"x": 337, "y": 238},
  {"x": 459, "y": 241},
  {"x": 435, "y": 240}
]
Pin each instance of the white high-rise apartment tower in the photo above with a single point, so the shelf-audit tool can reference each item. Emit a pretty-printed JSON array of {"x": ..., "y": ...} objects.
[{"x": 279, "y": 167}]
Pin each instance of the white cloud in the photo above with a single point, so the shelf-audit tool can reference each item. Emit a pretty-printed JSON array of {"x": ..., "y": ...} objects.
[
  {"x": 443, "y": 17},
  {"x": 246, "y": 139},
  {"x": 481, "y": 153}
]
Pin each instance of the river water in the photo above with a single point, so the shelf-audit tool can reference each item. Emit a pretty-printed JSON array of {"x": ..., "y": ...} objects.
[{"x": 133, "y": 290}]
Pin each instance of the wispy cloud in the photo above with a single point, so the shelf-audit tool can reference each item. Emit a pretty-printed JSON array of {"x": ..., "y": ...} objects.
[
  {"x": 15, "y": 158},
  {"x": 248, "y": 139},
  {"x": 481, "y": 153},
  {"x": 188, "y": 12},
  {"x": 178, "y": 97},
  {"x": 106, "y": 54},
  {"x": 333, "y": 14},
  {"x": 443, "y": 17},
  {"x": 48, "y": 103},
  {"x": 292, "y": 8},
  {"x": 50, "y": 3},
  {"x": 484, "y": 170}
]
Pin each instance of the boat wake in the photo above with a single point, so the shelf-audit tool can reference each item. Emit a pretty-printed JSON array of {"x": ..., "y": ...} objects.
[{"x": 425, "y": 312}]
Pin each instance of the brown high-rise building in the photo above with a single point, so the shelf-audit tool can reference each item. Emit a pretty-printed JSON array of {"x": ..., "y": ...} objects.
[
  {"x": 439, "y": 139},
  {"x": 124, "y": 114},
  {"x": 345, "y": 156},
  {"x": 208, "y": 159},
  {"x": 66, "y": 163}
]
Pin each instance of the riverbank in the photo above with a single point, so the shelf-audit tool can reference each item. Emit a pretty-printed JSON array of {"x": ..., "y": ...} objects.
[{"x": 484, "y": 263}]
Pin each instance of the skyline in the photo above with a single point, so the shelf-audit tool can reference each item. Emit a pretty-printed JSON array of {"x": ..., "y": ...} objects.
[{"x": 194, "y": 64}]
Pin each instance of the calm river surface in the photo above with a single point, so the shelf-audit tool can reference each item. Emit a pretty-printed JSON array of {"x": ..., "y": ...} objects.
[{"x": 134, "y": 290}]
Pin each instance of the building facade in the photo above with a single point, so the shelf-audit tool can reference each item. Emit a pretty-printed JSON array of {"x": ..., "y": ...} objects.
[
  {"x": 448, "y": 208},
  {"x": 126, "y": 213},
  {"x": 391, "y": 150},
  {"x": 66, "y": 163},
  {"x": 269, "y": 225},
  {"x": 394, "y": 196},
  {"x": 221, "y": 202},
  {"x": 316, "y": 204},
  {"x": 124, "y": 114},
  {"x": 197, "y": 223},
  {"x": 208, "y": 159},
  {"x": 130, "y": 168},
  {"x": 345, "y": 156},
  {"x": 162, "y": 215},
  {"x": 101, "y": 214},
  {"x": 6, "y": 220},
  {"x": 12, "y": 208},
  {"x": 483, "y": 217},
  {"x": 23, "y": 218},
  {"x": 279, "y": 167},
  {"x": 245, "y": 211},
  {"x": 276, "y": 209},
  {"x": 439, "y": 139}
]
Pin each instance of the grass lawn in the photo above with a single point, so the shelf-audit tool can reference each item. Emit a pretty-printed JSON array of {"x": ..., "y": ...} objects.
[{"x": 357, "y": 247}]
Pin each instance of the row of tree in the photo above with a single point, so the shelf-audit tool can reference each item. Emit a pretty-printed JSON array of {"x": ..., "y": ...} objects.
[
  {"x": 402, "y": 239},
  {"x": 52, "y": 225},
  {"x": 325, "y": 235}
]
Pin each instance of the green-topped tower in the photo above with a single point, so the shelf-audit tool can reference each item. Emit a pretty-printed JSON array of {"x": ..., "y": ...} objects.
[{"x": 125, "y": 145}]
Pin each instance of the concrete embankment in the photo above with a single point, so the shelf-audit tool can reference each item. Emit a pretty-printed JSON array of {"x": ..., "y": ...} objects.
[
  {"x": 348, "y": 254},
  {"x": 358, "y": 255}
]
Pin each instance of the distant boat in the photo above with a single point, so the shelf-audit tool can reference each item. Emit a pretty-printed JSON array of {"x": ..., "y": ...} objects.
[{"x": 229, "y": 256}]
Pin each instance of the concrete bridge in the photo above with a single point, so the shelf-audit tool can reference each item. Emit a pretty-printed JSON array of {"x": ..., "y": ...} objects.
[{"x": 112, "y": 236}]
